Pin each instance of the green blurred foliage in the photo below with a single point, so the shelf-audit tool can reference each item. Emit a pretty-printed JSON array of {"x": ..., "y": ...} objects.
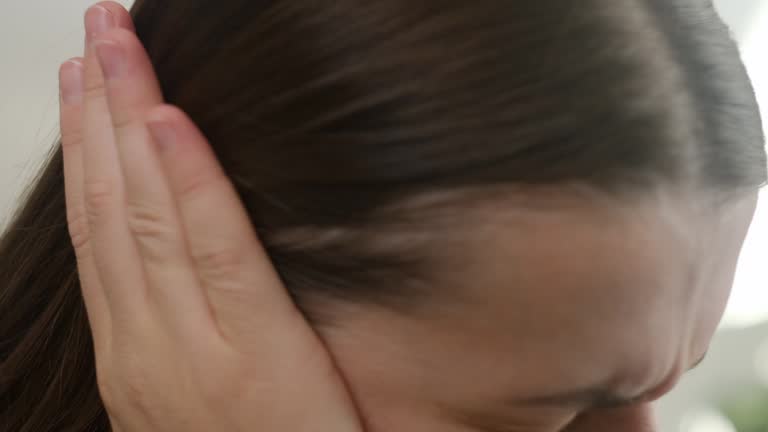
[{"x": 748, "y": 411}]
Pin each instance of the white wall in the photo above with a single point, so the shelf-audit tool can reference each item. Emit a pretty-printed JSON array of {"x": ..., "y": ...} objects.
[{"x": 35, "y": 37}]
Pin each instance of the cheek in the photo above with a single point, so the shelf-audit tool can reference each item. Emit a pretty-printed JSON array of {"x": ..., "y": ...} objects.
[
  {"x": 388, "y": 394},
  {"x": 390, "y": 391},
  {"x": 719, "y": 252},
  {"x": 715, "y": 285},
  {"x": 420, "y": 385},
  {"x": 711, "y": 310}
]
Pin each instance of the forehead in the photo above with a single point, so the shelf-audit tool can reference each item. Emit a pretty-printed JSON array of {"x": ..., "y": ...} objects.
[
  {"x": 548, "y": 301},
  {"x": 614, "y": 288}
]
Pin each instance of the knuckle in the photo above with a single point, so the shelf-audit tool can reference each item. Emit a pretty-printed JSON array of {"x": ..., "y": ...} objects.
[
  {"x": 121, "y": 122},
  {"x": 71, "y": 138},
  {"x": 79, "y": 229},
  {"x": 218, "y": 264},
  {"x": 200, "y": 184},
  {"x": 99, "y": 197},
  {"x": 95, "y": 91},
  {"x": 148, "y": 224}
]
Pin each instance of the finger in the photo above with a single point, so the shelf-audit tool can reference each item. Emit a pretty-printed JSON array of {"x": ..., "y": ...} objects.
[
  {"x": 71, "y": 119},
  {"x": 244, "y": 291},
  {"x": 119, "y": 268},
  {"x": 119, "y": 14},
  {"x": 71, "y": 112},
  {"x": 132, "y": 89}
]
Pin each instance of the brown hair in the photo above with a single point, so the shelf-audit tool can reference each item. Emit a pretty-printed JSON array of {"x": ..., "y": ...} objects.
[{"x": 328, "y": 116}]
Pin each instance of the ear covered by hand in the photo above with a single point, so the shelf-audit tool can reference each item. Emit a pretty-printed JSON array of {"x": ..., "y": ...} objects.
[{"x": 193, "y": 329}]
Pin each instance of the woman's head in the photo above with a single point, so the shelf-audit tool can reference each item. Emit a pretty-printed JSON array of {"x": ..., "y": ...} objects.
[
  {"x": 480, "y": 201},
  {"x": 488, "y": 209},
  {"x": 347, "y": 125}
]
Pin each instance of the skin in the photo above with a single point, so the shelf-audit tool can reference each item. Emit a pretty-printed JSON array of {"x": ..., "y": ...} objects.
[
  {"x": 193, "y": 330},
  {"x": 624, "y": 298}
]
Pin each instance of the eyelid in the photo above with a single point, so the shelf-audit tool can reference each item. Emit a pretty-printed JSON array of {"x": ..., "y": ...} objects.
[
  {"x": 599, "y": 398},
  {"x": 620, "y": 403},
  {"x": 655, "y": 394}
]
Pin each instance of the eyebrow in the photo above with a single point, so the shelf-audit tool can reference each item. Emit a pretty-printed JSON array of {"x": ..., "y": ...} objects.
[{"x": 600, "y": 396}]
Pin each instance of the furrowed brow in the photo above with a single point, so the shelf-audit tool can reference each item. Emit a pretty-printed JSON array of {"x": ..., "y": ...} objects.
[{"x": 595, "y": 396}]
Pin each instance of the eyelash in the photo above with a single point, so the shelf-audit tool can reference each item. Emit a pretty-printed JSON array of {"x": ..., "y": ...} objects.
[{"x": 607, "y": 406}]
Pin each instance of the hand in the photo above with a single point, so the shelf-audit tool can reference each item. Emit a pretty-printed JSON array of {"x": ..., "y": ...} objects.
[{"x": 192, "y": 328}]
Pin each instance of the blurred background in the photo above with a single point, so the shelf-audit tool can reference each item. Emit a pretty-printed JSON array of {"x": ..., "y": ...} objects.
[{"x": 727, "y": 393}]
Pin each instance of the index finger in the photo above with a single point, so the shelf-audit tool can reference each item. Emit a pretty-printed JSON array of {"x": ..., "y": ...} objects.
[
  {"x": 71, "y": 111},
  {"x": 239, "y": 279}
]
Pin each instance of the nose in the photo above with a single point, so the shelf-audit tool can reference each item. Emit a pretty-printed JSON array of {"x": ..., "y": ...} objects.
[{"x": 635, "y": 418}]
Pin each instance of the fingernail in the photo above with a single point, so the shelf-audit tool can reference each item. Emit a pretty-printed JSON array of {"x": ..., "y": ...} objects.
[
  {"x": 71, "y": 82},
  {"x": 111, "y": 58},
  {"x": 98, "y": 20},
  {"x": 163, "y": 135}
]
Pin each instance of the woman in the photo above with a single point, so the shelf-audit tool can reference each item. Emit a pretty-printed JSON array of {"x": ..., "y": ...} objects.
[{"x": 492, "y": 215}]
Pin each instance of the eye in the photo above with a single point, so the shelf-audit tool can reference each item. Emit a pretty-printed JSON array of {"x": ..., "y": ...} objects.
[
  {"x": 521, "y": 424},
  {"x": 613, "y": 411},
  {"x": 618, "y": 404}
]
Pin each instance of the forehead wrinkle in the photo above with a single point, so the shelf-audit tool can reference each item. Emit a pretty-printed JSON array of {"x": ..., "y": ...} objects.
[{"x": 569, "y": 304}]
